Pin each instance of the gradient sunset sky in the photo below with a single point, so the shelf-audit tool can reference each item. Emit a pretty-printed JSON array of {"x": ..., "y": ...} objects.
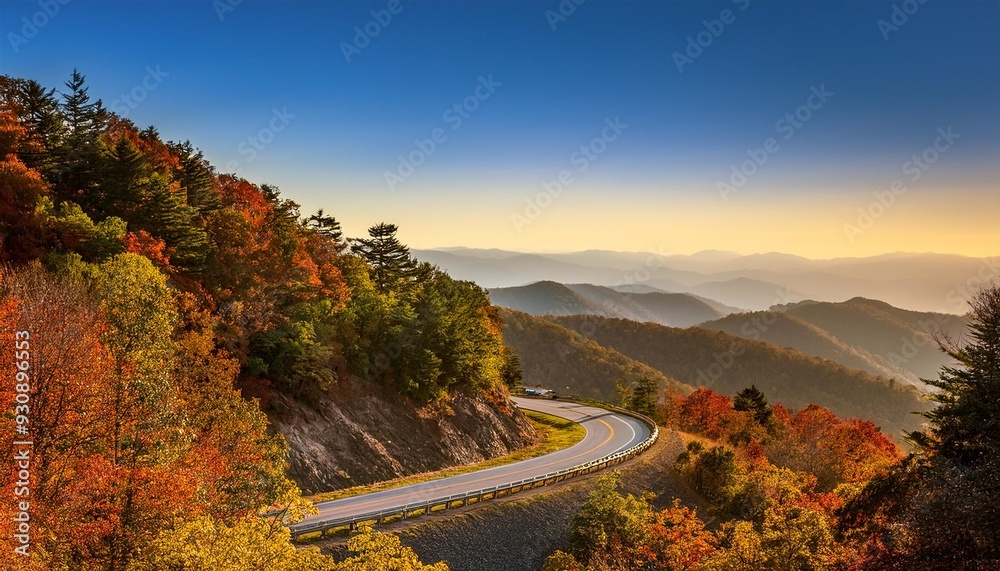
[{"x": 220, "y": 70}]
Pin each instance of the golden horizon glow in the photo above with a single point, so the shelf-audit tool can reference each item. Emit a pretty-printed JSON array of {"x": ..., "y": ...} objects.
[{"x": 816, "y": 225}]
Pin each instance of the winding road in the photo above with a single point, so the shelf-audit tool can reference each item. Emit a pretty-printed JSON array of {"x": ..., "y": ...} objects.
[{"x": 607, "y": 433}]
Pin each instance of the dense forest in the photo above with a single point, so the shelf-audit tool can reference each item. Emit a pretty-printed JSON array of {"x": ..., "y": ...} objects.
[{"x": 149, "y": 293}]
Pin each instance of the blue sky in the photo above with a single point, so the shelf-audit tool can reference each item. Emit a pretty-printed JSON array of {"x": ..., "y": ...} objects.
[{"x": 655, "y": 186}]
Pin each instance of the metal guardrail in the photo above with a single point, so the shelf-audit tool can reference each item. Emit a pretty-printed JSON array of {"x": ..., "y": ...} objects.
[{"x": 449, "y": 502}]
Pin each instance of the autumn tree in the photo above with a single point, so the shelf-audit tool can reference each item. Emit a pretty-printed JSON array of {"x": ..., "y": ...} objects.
[
  {"x": 21, "y": 236},
  {"x": 615, "y": 532},
  {"x": 69, "y": 376},
  {"x": 249, "y": 544},
  {"x": 704, "y": 412},
  {"x": 836, "y": 451},
  {"x": 789, "y": 539},
  {"x": 374, "y": 551}
]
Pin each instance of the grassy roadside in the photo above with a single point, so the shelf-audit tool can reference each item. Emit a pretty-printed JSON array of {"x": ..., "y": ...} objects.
[{"x": 555, "y": 434}]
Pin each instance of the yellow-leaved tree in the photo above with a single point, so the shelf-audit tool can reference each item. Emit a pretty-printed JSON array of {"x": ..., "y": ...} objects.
[{"x": 374, "y": 551}]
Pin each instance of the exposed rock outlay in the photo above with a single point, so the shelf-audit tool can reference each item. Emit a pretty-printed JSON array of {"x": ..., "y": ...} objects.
[{"x": 360, "y": 437}]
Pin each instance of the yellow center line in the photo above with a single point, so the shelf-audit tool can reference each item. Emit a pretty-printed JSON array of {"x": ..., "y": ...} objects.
[{"x": 606, "y": 440}]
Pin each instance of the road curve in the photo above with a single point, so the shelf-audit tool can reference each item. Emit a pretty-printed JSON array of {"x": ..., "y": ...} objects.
[{"x": 607, "y": 433}]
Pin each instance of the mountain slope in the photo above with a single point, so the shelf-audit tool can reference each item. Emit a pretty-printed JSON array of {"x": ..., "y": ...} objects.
[
  {"x": 567, "y": 362},
  {"x": 727, "y": 364},
  {"x": 550, "y": 298},
  {"x": 901, "y": 339},
  {"x": 675, "y": 309},
  {"x": 786, "y": 330}
]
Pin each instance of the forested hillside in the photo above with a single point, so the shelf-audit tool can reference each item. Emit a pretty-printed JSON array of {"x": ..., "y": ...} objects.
[
  {"x": 786, "y": 330},
  {"x": 156, "y": 293},
  {"x": 570, "y": 363},
  {"x": 861, "y": 333},
  {"x": 906, "y": 340},
  {"x": 727, "y": 364}
]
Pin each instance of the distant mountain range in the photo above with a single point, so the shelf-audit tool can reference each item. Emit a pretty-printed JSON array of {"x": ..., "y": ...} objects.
[
  {"x": 551, "y": 298},
  {"x": 586, "y": 354},
  {"x": 921, "y": 282},
  {"x": 860, "y": 333}
]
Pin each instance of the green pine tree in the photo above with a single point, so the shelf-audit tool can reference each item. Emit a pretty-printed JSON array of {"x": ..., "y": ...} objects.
[
  {"x": 965, "y": 426},
  {"x": 327, "y": 226},
  {"x": 85, "y": 122},
  {"x": 196, "y": 178},
  {"x": 171, "y": 218},
  {"x": 752, "y": 400},
  {"x": 389, "y": 260},
  {"x": 46, "y": 125}
]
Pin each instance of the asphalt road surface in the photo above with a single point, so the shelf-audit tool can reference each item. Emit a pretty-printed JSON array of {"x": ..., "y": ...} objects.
[{"x": 607, "y": 432}]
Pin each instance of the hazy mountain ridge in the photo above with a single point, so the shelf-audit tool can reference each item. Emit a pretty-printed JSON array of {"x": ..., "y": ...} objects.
[
  {"x": 918, "y": 281},
  {"x": 900, "y": 339},
  {"x": 786, "y": 330},
  {"x": 550, "y": 298}
]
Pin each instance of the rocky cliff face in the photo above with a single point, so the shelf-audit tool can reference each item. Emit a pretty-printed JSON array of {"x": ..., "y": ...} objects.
[{"x": 360, "y": 437}]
